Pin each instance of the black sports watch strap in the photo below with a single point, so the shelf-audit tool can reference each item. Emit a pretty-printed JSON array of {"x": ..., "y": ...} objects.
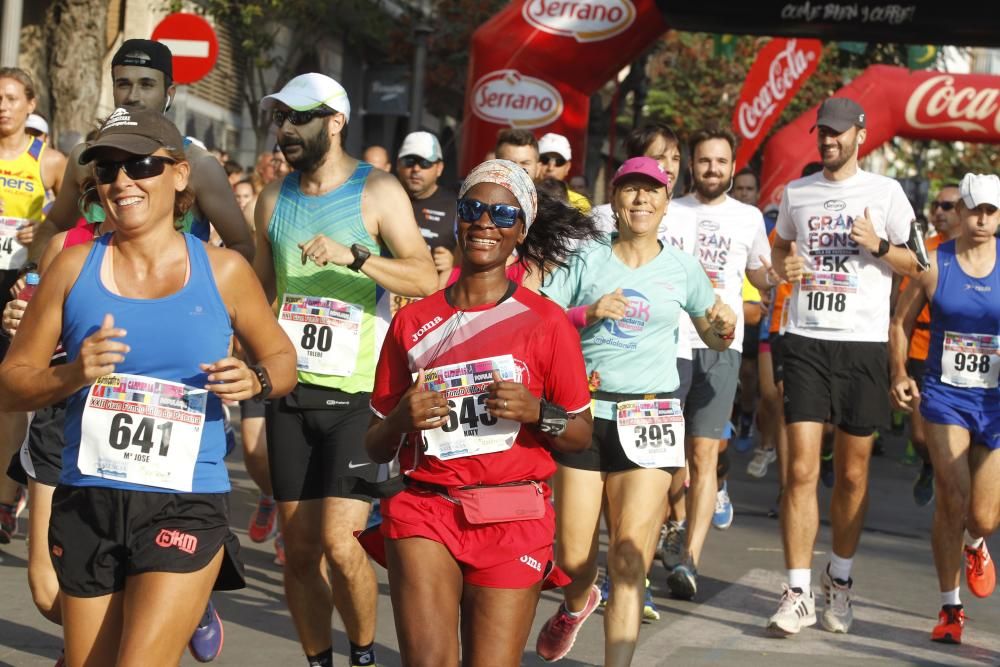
[
  {"x": 883, "y": 248},
  {"x": 265, "y": 382},
  {"x": 361, "y": 255},
  {"x": 552, "y": 419}
]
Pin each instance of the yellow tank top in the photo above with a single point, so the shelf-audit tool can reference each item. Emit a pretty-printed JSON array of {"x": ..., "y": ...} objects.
[{"x": 21, "y": 187}]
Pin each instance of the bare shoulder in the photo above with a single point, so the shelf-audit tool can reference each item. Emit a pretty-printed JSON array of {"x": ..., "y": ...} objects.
[
  {"x": 227, "y": 263},
  {"x": 263, "y": 207},
  {"x": 66, "y": 265}
]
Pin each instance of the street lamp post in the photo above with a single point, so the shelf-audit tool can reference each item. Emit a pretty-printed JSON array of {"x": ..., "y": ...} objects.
[
  {"x": 420, "y": 33},
  {"x": 10, "y": 34}
]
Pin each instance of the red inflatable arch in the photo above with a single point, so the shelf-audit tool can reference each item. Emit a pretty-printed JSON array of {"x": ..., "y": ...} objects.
[{"x": 897, "y": 102}]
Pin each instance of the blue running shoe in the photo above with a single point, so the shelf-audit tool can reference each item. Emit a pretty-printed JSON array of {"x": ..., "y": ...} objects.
[
  {"x": 683, "y": 581},
  {"x": 649, "y": 610},
  {"x": 605, "y": 592},
  {"x": 206, "y": 642},
  {"x": 723, "y": 517},
  {"x": 923, "y": 486}
]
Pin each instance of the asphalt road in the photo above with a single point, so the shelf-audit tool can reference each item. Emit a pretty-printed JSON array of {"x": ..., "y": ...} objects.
[{"x": 895, "y": 608}]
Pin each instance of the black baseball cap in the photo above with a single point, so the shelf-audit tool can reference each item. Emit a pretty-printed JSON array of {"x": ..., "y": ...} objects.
[
  {"x": 140, "y": 132},
  {"x": 145, "y": 53},
  {"x": 840, "y": 114}
]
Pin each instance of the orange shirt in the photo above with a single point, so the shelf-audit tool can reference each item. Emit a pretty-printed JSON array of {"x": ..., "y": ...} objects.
[{"x": 920, "y": 339}]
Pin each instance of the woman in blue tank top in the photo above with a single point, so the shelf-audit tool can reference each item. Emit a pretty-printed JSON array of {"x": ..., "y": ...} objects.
[
  {"x": 146, "y": 315},
  {"x": 961, "y": 399}
]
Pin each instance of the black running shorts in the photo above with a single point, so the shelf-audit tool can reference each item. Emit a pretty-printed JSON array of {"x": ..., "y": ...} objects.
[
  {"x": 99, "y": 536},
  {"x": 316, "y": 444},
  {"x": 843, "y": 382}
]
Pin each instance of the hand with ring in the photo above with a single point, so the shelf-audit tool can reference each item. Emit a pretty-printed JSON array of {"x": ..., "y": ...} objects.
[
  {"x": 512, "y": 400},
  {"x": 419, "y": 409},
  {"x": 323, "y": 250}
]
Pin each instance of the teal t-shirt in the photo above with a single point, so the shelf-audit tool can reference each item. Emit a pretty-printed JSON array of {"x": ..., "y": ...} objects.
[{"x": 637, "y": 354}]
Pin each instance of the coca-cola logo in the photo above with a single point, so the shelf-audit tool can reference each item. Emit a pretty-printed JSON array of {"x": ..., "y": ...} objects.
[
  {"x": 507, "y": 97},
  {"x": 937, "y": 103},
  {"x": 785, "y": 70},
  {"x": 583, "y": 20}
]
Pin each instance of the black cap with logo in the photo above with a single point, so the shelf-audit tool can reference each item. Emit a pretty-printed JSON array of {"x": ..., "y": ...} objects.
[
  {"x": 145, "y": 53},
  {"x": 840, "y": 114},
  {"x": 140, "y": 132}
]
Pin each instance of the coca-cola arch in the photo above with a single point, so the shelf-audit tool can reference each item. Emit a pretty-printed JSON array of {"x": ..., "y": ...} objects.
[{"x": 897, "y": 102}]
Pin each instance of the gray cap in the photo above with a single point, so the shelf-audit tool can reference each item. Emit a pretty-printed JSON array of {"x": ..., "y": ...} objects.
[{"x": 840, "y": 114}]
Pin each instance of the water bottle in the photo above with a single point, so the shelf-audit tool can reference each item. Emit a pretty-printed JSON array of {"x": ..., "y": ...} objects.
[{"x": 30, "y": 285}]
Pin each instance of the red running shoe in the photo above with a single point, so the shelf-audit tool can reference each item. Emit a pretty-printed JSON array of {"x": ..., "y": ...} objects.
[
  {"x": 980, "y": 573},
  {"x": 559, "y": 632},
  {"x": 951, "y": 620},
  {"x": 263, "y": 521}
]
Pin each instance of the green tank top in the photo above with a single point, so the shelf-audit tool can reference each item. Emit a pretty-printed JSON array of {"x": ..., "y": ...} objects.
[{"x": 337, "y": 214}]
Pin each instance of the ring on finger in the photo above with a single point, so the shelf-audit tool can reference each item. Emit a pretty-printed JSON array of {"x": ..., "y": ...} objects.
[{"x": 505, "y": 404}]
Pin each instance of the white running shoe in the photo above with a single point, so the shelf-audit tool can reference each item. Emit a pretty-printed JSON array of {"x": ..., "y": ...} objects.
[
  {"x": 762, "y": 458},
  {"x": 795, "y": 611},
  {"x": 837, "y": 613}
]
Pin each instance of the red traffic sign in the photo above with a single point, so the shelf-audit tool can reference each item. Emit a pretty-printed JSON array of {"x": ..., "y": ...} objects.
[{"x": 192, "y": 41}]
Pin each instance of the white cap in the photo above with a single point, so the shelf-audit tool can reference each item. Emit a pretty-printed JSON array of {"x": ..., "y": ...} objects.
[
  {"x": 308, "y": 91},
  {"x": 977, "y": 189},
  {"x": 555, "y": 143},
  {"x": 421, "y": 144},
  {"x": 37, "y": 123}
]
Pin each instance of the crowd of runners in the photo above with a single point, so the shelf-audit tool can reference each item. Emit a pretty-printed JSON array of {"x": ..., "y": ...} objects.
[{"x": 499, "y": 367}]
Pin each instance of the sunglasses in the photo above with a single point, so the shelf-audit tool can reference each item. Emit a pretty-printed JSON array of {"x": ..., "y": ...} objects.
[
  {"x": 502, "y": 215},
  {"x": 294, "y": 117},
  {"x": 411, "y": 160},
  {"x": 943, "y": 205},
  {"x": 559, "y": 160},
  {"x": 136, "y": 168}
]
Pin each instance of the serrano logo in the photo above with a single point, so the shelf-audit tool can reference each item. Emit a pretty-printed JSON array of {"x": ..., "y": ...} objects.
[
  {"x": 507, "y": 97},
  {"x": 636, "y": 316},
  {"x": 583, "y": 20},
  {"x": 174, "y": 538},
  {"x": 834, "y": 205},
  {"x": 789, "y": 65},
  {"x": 427, "y": 327},
  {"x": 938, "y": 103}
]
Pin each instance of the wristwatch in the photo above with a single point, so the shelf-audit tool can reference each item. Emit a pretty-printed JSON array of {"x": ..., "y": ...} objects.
[
  {"x": 265, "y": 382},
  {"x": 883, "y": 248},
  {"x": 552, "y": 418},
  {"x": 361, "y": 255}
]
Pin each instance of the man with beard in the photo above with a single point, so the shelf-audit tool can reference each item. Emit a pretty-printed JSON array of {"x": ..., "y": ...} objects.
[
  {"x": 142, "y": 77},
  {"x": 319, "y": 234},
  {"x": 418, "y": 168},
  {"x": 731, "y": 244},
  {"x": 850, "y": 228}
]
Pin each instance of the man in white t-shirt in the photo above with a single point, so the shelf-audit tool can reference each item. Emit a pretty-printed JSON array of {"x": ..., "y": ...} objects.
[
  {"x": 850, "y": 228},
  {"x": 731, "y": 243}
]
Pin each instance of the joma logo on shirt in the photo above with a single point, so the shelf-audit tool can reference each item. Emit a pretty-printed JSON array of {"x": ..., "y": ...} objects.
[{"x": 427, "y": 327}]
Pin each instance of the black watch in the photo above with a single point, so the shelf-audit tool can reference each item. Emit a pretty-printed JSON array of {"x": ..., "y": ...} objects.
[
  {"x": 361, "y": 255},
  {"x": 552, "y": 418},
  {"x": 883, "y": 248},
  {"x": 265, "y": 382}
]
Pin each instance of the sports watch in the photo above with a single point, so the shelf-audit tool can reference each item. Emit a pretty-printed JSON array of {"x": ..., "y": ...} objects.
[
  {"x": 883, "y": 248},
  {"x": 265, "y": 382},
  {"x": 361, "y": 255},
  {"x": 552, "y": 418}
]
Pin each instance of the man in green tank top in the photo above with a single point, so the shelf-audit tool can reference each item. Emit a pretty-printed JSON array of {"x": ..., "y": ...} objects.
[{"x": 320, "y": 234}]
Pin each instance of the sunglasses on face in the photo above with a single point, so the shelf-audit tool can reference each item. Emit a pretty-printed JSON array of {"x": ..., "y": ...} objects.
[
  {"x": 279, "y": 116},
  {"x": 943, "y": 205},
  {"x": 411, "y": 160},
  {"x": 558, "y": 160},
  {"x": 502, "y": 215},
  {"x": 136, "y": 168}
]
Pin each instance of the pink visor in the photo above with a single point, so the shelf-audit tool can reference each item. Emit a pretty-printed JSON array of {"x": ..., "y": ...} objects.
[{"x": 642, "y": 166}]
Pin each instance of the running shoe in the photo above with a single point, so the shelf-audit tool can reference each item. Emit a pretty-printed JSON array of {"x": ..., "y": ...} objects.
[
  {"x": 605, "y": 591},
  {"x": 774, "y": 511},
  {"x": 375, "y": 516},
  {"x": 649, "y": 610},
  {"x": 206, "y": 642},
  {"x": 279, "y": 550},
  {"x": 723, "y": 517},
  {"x": 263, "y": 521},
  {"x": 672, "y": 552},
  {"x": 796, "y": 610},
  {"x": 826, "y": 469},
  {"x": 8, "y": 522},
  {"x": 683, "y": 581},
  {"x": 838, "y": 614},
  {"x": 898, "y": 422},
  {"x": 910, "y": 456},
  {"x": 980, "y": 573},
  {"x": 951, "y": 620},
  {"x": 558, "y": 635},
  {"x": 877, "y": 447},
  {"x": 762, "y": 458},
  {"x": 923, "y": 486},
  {"x": 745, "y": 439}
]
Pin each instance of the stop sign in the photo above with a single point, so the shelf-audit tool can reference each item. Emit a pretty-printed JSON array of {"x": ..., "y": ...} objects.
[{"x": 192, "y": 42}]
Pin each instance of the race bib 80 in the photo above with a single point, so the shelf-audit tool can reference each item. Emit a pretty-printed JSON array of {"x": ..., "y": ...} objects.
[
  {"x": 326, "y": 333},
  {"x": 142, "y": 430}
]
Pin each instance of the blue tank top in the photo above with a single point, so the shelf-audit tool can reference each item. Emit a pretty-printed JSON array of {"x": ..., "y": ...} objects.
[
  {"x": 169, "y": 338},
  {"x": 963, "y": 305}
]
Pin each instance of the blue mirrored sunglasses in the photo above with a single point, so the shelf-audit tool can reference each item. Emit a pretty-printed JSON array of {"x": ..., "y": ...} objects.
[{"x": 502, "y": 215}]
